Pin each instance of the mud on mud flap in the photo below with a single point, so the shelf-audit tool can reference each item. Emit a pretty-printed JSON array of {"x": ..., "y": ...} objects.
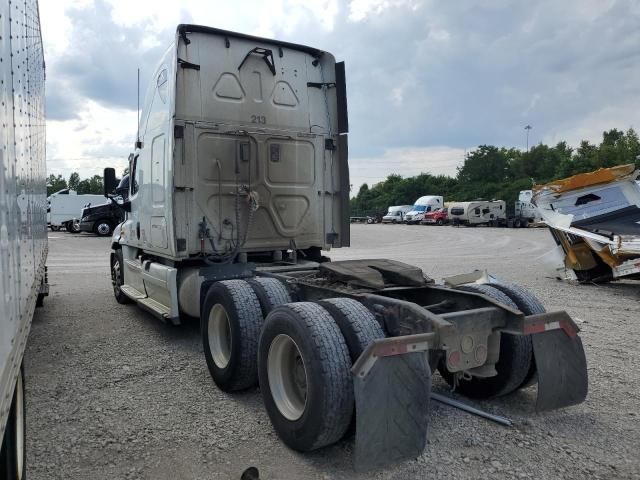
[
  {"x": 392, "y": 384},
  {"x": 560, "y": 361}
]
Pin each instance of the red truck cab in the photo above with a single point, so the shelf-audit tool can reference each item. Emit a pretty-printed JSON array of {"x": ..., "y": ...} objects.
[{"x": 439, "y": 216}]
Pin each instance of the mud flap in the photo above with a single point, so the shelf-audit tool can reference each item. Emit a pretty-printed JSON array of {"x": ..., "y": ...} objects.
[
  {"x": 562, "y": 369},
  {"x": 392, "y": 410}
]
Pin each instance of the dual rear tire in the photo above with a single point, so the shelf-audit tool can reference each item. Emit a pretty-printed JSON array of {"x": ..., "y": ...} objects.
[
  {"x": 516, "y": 365},
  {"x": 301, "y": 355}
]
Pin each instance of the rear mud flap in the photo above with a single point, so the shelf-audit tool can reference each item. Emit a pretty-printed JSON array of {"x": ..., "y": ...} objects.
[
  {"x": 392, "y": 410},
  {"x": 562, "y": 369}
]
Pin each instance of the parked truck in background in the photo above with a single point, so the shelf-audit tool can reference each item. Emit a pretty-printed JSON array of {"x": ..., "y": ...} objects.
[
  {"x": 525, "y": 213},
  {"x": 421, "y": 206},
  {"x": 439, "y": 216},
  {"x": 239, "y": 182},
  {"x": 64, "y": 208},
  {"x": 101, "y": 219},
  {"x": 396, "y": 214},
  {"x": 23, "y": 214}
]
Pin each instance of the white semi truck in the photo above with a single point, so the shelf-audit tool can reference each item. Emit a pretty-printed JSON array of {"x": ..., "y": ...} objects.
[
  {"x": 23, "y": 214},
  {"x": 239, "y": 182},
  {"x": 422, "y": 205}
]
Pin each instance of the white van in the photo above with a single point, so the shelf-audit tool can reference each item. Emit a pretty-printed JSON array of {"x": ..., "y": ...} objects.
[
  {"x": 480, "y": 212},
  {"x": 421, "y": 206},
  {"x": 396, "y": 214}
]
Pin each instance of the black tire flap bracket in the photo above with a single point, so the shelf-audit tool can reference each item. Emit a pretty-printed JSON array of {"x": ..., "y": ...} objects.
[{"x": 392, "y": 386}]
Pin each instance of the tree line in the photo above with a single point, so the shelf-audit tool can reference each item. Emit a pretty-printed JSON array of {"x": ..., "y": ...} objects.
[
  {"x": 490, "y": 172},
  {"x": 92, "y": 185}
]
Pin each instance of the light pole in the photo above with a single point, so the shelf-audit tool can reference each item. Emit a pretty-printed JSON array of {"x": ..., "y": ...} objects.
[{"x": 527, "y": 128}]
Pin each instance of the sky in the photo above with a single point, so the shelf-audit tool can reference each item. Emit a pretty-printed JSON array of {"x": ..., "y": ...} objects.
[{"x": 426, "y": 80}]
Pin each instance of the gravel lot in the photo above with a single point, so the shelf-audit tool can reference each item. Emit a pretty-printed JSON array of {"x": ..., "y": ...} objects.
[{"x": 114, "y": 393}]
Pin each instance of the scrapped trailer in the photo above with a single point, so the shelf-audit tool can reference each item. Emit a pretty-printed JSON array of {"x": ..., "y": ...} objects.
[
  {"x": 595, "y": 221},
  {"x": 239, "y": 182}
]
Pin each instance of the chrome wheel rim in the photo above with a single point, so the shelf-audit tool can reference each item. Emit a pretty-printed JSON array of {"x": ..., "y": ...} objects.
[
  {"x": 103, "y": 229},
  {"x": 19, "y": 426},
  {"x": 219, "y": 332},
  {"x": 287, "y": 375}
]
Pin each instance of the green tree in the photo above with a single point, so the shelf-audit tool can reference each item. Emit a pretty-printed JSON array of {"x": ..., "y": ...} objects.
[
  {"x": 55, "y": 184},
  {"x": 492, "y": 172},
  {"x": 74, "y": 181}
]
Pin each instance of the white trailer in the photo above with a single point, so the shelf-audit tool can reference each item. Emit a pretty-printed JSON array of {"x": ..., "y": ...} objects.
[
  {"x": 479, "y": 212},
  {"x": 422, "y": 205},
  {"x": 396, "y": 214},
  {"x": 23, "y": 214},
  {"x": 64, "y": 207}
]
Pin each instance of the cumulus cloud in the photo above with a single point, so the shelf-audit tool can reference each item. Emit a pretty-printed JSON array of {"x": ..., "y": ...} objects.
[{"x": 422, "y": 75}]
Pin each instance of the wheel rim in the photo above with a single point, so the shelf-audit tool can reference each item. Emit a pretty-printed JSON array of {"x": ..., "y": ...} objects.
[
  {"x": 75, "y": 227},
  {"x": 219, "y": 331},
  {"x": 19, "y": 440},
  {"x": 104, "y": 229},
  {"x": 287, "y": 377},
  {"x": 115, "y": 276}
]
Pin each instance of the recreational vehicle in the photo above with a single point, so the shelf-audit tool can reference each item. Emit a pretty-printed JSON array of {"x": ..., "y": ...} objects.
[{"x": 479, "y": 212}]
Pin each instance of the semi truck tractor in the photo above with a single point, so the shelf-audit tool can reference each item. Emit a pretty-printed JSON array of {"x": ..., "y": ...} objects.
[
  {"x": 239, "y": 187},
  {"x": 421, "y": 206},
  {"x": 23, "y": 215}
]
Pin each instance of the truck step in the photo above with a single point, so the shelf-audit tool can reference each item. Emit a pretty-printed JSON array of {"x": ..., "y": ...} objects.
[
  {"x": 131, "y": 292},
  {"x": 155, "y": 307}
]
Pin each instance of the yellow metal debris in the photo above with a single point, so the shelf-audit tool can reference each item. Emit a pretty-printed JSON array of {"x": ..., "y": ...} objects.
[{"x": 582, "y": 180}]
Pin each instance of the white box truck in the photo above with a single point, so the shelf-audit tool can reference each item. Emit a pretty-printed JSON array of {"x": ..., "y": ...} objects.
[
  {"x": 64, "y": 208},
  {"x": 421, "y": 206},
  {"x": 396, "y": 214},
  {"x": 23, "y": 214},
  {"x": 239, "y": 181}
]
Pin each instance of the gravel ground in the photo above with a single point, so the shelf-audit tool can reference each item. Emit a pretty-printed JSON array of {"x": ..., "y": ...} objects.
[{"x": 114, "y": 393}]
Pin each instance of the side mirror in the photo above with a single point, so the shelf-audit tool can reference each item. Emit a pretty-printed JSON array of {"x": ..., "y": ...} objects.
[{"x": 109, "y": 181}]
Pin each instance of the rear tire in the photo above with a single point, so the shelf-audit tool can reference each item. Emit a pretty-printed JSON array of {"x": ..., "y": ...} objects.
[
  {"x": 230, "y": 322},
  {"x": 305, "y": 378},
  {"x": 357, "y": 324},
  {"x": 12, "y": 452},
  {"x": 513, "y": 365},
  {"x": 528, "y": 304},
  {"x": 271, "y": 292}
]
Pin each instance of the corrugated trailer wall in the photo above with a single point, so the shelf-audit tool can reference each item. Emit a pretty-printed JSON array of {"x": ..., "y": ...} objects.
[{"x": 23, "y": 226}]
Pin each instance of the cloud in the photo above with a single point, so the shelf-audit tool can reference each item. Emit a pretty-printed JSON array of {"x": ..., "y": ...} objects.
[
  {"x": 406, "y": 161},
  {"x": 422, "y": 75}
]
